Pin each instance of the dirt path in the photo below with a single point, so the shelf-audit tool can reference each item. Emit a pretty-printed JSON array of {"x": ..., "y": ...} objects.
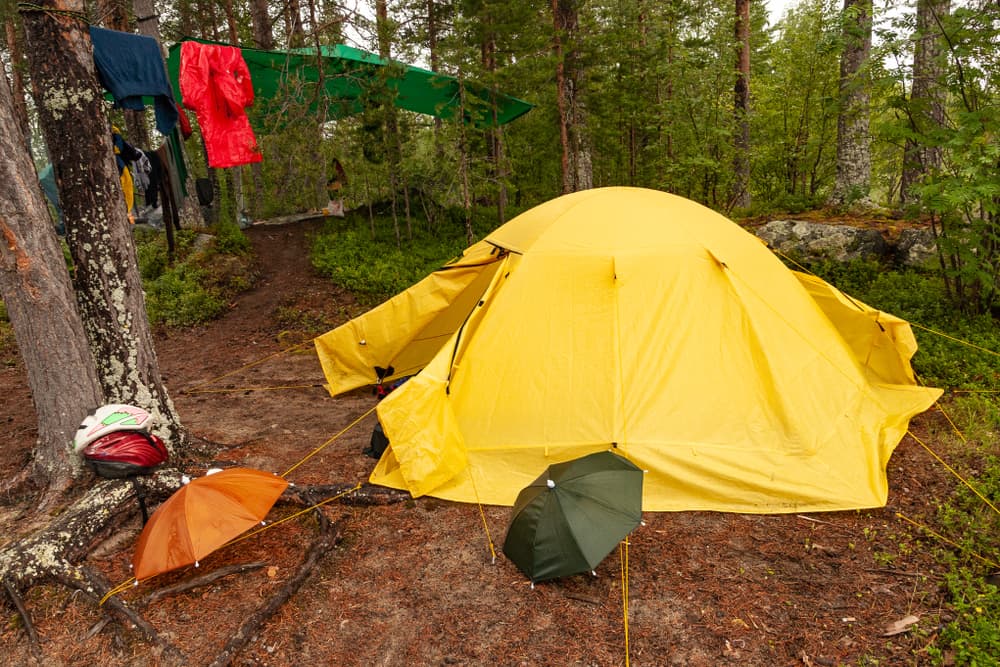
[{"x": 415, "y": 583}]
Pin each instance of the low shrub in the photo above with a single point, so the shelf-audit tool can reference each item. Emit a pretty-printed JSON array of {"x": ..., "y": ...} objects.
[
  {"x": 375, "y": 267},
  {"x": 205, "y": 273}
]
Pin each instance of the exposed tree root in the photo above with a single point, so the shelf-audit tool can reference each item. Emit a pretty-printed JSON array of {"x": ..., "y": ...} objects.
[
  {"x": 26, "y": 619},
  {"x": 197, "y": 582},
  {"x": 56, "y": 552},
  {"x": 51, "y": 552},
  {"x": 91, "y": 582},
  {"x": 329, "y": 535}
]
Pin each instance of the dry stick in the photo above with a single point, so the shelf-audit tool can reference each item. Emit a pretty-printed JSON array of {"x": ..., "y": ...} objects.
[
  {"x": 328, "y": 537},
  {"x": 28, "y": 627},
  {"x": 203, "y": 580},
  {"x": 582, "y": 598},
  {"x": 900, "y": 573}
]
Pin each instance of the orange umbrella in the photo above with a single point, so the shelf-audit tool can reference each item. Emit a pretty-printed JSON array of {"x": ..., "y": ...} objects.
[{"x": 202, "y": 516}]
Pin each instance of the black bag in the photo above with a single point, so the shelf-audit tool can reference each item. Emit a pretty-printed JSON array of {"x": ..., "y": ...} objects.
[
  {"x": 378, "y": 442},
  {"x": 206, "y": 194}
]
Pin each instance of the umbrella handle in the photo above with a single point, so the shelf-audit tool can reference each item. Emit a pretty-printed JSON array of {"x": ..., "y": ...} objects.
[{"x": 140, "y": 494}]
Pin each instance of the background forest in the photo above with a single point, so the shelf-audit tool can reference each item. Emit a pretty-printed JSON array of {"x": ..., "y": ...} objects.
[{"x": 747, "y": 107}]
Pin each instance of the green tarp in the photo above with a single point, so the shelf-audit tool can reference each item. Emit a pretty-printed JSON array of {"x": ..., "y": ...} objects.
[{"x": 351, "y": 77}]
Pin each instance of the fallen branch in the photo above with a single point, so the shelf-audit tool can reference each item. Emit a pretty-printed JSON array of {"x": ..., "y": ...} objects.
[
  {"x": 328, "y": 537},
  {"x": 203, "y": 580},
  {"x": 900, "y": 573},
  {"x": 367, "y": 496}
]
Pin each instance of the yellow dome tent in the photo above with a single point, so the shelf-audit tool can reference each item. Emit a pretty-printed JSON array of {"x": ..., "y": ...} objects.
[{"x": 641, "y": 322}]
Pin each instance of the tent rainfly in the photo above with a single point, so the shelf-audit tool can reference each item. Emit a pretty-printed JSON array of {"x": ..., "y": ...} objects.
[
  {"x": 643, "y": 323},
  {"x": 349, "y": 76}
]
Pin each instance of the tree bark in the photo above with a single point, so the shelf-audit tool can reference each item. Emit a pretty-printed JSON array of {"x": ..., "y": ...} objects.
[
  {"x": 17, "y": 79},
  {"x": 58, "y": 546},
  {"x": 106, "y": 273},
  {"x": 495, "y": 133},
  {"x": 263, "y": 35},
  {"x": 147, "y": 21},
  {"x": 854, "y": 166},
  {"x": 577, "y": 166},
  {"x": 927, "y": 98},
  {"x": 36, "y": 290},
  {"x": 385, "y": 31},
  {"x": 741, "y": 108},
  {"x": 293, "y": 19}
]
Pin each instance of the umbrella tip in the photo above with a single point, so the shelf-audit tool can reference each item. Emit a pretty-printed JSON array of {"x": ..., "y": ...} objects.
[
  {"x": 185, "y": 479},
  {"x": 550, "y": 483}
]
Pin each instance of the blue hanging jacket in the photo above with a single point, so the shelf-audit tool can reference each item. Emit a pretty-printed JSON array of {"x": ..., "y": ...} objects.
[{"x": 131, "y": 67}]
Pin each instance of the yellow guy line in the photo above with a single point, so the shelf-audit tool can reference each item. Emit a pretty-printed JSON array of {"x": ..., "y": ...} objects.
[
  {"x": 117, "y": 589},
  {"x": 623, "y": 551},
  {"x": 318, "y": 449},
  {"x": 944, "y": 539},
  {"x": 912, "y": 324},
  {"x": 251, "y": 364},
  {"x": 248, "y": 388},
  {"x": 956, "y": 340},
  {"x": 482, "y": 514},
  {"x": 954, "y": 472},
  {"x": 129, "y": 582},
  {"x": 292, "y": 516}
]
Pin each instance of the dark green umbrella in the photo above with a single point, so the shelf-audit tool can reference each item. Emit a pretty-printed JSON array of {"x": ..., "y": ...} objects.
[{"x": 573, "y": 515}]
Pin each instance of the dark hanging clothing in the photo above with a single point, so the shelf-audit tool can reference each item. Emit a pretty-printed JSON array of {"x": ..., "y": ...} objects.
[
  {"x": 124, "y": 151},
  {"x": 131, "y": 67},
  {"x": 155, "y": 179}
]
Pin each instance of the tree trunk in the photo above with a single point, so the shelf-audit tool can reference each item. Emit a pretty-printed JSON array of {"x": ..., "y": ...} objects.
[
  {"x": 36, "y": 290},
  {"x": 741, "y": 108},
  {"x": 495, "y": 132},
  {"x": 106, "y": 273},
  {"x": 577, "y": 166},
  {"x": 17, "y": 80},
  {"x": 147, "y": 21},
  {"x": 263, "y": 35},
  {"x": 384, "y": 30},
  {"x": 293, "y": 14},
  {"x": 562, "y": 94},
  {"x": 854, "y": 166},
  {"x": 927, "y": 98}
]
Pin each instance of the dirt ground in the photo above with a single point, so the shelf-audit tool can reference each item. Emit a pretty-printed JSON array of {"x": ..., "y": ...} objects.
[{"x": 414, "y": 583}]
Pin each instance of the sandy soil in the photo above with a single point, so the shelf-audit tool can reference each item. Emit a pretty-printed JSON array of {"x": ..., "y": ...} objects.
[{"x": 414, "y": 583}]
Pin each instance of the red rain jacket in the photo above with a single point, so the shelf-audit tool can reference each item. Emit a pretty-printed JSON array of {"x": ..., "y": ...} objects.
[{"x": 215, "y": 84}]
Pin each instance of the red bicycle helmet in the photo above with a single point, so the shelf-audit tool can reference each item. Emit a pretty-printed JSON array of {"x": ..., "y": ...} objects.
[
  {"x": 109, "y": 419},
  {"x": 125, "y": 453}
]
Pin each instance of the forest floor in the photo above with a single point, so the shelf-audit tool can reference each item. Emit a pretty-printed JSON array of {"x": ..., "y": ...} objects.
[{"x": 414, "y": 583}]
